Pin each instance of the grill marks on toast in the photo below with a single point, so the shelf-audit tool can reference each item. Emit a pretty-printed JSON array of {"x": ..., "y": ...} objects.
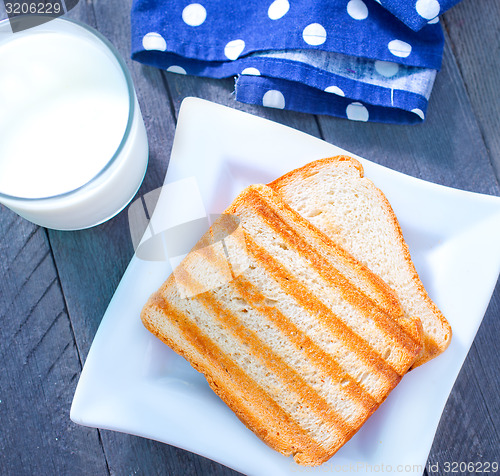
[
  {"x": 256, "y": 345},
  {"x": 353, "y": 343},
  {"x": 250, "y": 402},
  {"x": 327, "y": 268},
  {"x": 303, "y": 342},
  {"x": 292, "y": 381},
  {"x": 336, "y": 198},
  {"x": 301, "y": 324},
  {"x": 238, "y": 347},
  {"x": 331, "y": 259},
  {"x": 268, "y": 363}
]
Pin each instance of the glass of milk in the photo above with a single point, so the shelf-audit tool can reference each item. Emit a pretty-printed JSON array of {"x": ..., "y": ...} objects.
[{"x": 73, "y": 146}]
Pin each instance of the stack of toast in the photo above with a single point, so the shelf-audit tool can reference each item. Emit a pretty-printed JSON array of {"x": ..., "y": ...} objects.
[{"x": 302, "y": 308}]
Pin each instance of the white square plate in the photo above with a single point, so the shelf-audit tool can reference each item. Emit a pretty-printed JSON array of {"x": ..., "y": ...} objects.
[{"x": 133, "y": 383}]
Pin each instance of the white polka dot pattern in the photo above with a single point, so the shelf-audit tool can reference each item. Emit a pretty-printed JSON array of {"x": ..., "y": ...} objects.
[
  {"x": 194, "y": 14},
  {"x": 251, "y": 72},
  {"x": 419, "y": 113},
  {"x": 357, "y": 112},
  {"x": 176, "y": 69},
  {"x": 386, "y": 68},
  {"x": 399, "y": 48},
  {"x": 428, "y": 9},
  {"x": 274, "y": 98},
  {"x": 278, "y": 9},
  {"x": 347, "y": 58},
  {"x": 154, "y": 41},
  {"x": 314, "y": 34},
  {"x": 335, "y": 90},
  {"x": 357, "y": 10},
  {"x": 234, "y": 49}
]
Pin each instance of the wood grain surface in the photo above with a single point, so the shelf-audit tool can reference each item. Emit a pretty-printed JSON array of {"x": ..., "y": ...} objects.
[{"x": 55, "y": 286}]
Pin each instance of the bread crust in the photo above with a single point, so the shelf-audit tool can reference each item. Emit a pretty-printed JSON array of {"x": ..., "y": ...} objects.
[
  {"x": 274, "y": 427},
  {"x": 431, "y": 346},
  {"x": 275, "y": 360}
]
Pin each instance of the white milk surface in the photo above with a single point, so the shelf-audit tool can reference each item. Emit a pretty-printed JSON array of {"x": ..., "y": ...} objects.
[{"x": 63, "y": 111}]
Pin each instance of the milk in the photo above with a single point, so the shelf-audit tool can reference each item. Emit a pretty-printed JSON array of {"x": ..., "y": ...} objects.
[
  {"x": 64, "y": 112},
  {"x": 70, "y": 127}
]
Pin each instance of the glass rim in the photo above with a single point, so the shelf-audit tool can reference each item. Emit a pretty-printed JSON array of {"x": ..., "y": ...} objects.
[{"x": 130, "y": 119}]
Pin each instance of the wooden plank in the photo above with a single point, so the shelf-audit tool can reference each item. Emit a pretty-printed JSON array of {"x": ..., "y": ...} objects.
[
  {"x": 105, "y": 251},
  {"x": 473, "y": 29},
  {"x": 99, "y": 256},
  {"x": 40, "y": 363},
  {"x": 91, "y": 262},
  {"x": 469, "y": 430},
  {"x": 447, "y": 148}
]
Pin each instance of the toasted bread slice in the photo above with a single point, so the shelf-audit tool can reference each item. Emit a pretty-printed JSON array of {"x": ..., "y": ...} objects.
[
  {"x": 299, "y": 339},
  {"x": 334, "y": 196}
]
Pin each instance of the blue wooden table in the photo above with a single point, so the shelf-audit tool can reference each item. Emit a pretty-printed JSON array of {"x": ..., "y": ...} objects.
[{"x": 55, "y": 286}]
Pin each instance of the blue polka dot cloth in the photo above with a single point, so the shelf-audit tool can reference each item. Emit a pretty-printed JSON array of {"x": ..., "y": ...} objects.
[{"x": 364, "y": 60}]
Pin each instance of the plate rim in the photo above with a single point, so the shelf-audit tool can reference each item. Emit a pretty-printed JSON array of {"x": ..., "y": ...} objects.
[{"x": 76, "y": 413}]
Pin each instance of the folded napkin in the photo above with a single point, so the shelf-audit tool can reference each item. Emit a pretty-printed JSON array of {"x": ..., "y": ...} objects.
[{"x": 351, "y": 59}]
